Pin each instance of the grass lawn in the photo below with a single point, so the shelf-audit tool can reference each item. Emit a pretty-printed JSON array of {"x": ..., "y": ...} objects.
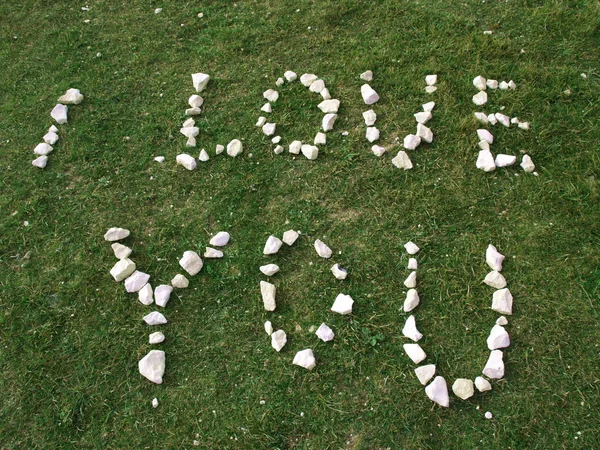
[{"x": 70, "y": 337}]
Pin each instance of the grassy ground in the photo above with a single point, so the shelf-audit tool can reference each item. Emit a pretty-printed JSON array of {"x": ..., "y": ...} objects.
[{"x": 71, "y": 337}]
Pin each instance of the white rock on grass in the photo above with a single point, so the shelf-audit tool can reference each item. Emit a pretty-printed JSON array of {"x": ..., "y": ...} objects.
[
  {"x": 320, "y": 139},
  {"x": 424, "y": 133},
  {"x": 502, "y": 321},
  {"x": 498, "y": 338},
  {"x": 146, "y": 295},
  {"x": 192, "y": 111},
  {"x": 370, "y": 117},
  {"x": 290, "y": 236},
  {"x": 482, "y": 117},
  {"x": 59, "y": 113},
  {"x": 342, "y": 304},
  {"x": 402, "y": 161},
  {"x": 272, "y": 245},
  {"x": 136, "y": 281},
  {"x": 492, "y": 84},
  {"x": 527, "y": 164},
  {"x": 42, "y": 149},
  {"x": 305, "y": 358},
  {"x": 367, "y": 76},
  {"x": 463, "y": 388},
  {"x": 155, "y": 318},
  {"x": 423, "y": 117},
  {"x": 437, "y": 392},
  {"x": 295, "y": 147},
  {"x": 53, "y": 129},
  {"x": 269, "y": 269},
  {"x": 502, "y": 301},
  {"x": 180, "y": 281},
  {"x": 411, "y": 141},
  {"x": 325, "y": 94},
  {"x": 411, "y": 280},
  {"x": 482, "y": 384},
  {"x": 368, "y": 94},
  {"x": 279, "y": 82},
  {"x": 191, "y": 262},
  {"x": 372, "y": 134},
  {"x": 40, "y": 162},
  {"x": 268, "y": 327},
  {"x": 219, "y": 149},
  {"x": 122, "y": 269},
  {"x": 191, "y": 142},
  {"x": 411, "y": 248},
  {"x": 267, "y": 108},
  {"x": 290, "y": 76},
  {"x": 269, "y": 128},
  {"x": 276, "y": 140},
  {"x": 480, "y": 83},
  {"x": 220, "y": 239},
  {"x": 425, "y": 373},
  {"x": 484, "y": 145},
  {"x": 71, "y": 97},
  {"x": 152, "y": 366},
  {"x": 412, "y": 264},
  {"x": 430, "y": 89},
  {"x": 339, "y": 272},
  {"x": 310, "y": 151},
  {"x": 428, "y": 107},
  {"x": 328, "y": 121},
  {"x": 162, "y": 294},
  {"x": 503, "y": 85},
  {"x": 50, "y": 138},
  {"x": 235, "y": 148},
  {"x": 317, "y": 86},
  {"x": 200, "y": 80},
  {"x": 261, "y": 121},
  {"x": 494, "y": 368},
  {"x": 187, "y": 161},
  {"x": 195, "y": 101},
  {"x": 121, "y": 251},
  {"x": 415, "y": 352},
  {"x": 480, "y": 98},
  {"x": 495, "y": 279},
  {"x": 271, "y": 95},
  {"x": 524, "y": 125},
  {"x": 322, "y": 249},
  {"x": 411, "y": 301},
  {"x": 329, "y": 106},
  {"x": 503, "y": 119},
  {"x": 159, "y": 159},
  {"x": 212, "y": 253},
  {"x": 410, "y": 329},
  {"x": 189, "y": 123},
  {"x": 430, "y": 80},
  {"x": 378, "y": 150},
  {"x": 485, "y": 135},
  {"x": 492, "y": 119},
  {"x": 488, "y": 415},
  {"x": 203, "y": 156},
  {"x": 308, "y": 78},
  {"x": 156, "y": 338},
  {"x": 325, "y": 333},
  {"x": 485, "y": 161},
  {"x": 512, "y": 84},
  {"x": 278, "y": 340},
  {"x": 268, "y": 291},
  {"x": 494, "y": 258}
]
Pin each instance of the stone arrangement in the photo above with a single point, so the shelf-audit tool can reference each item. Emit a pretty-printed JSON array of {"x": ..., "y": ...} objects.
[
  {"x": 59, "y": 114},
  {"x": 370, "y": 97}
]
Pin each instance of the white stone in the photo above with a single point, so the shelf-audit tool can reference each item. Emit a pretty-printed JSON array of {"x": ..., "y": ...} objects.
[
  {"x": 267, "y": 108},
  {"x": 268, "y": 291},
  {"x": 484, "y": 145},
  {"x": 480, "y": 98},
  {"x": 310, "y": 151},
  {"x": 42, "y": 149},
  {"x": 328, "y": 121},
  {"x": 492, "y": 84},
  {"x": 502, "y": 321},
  {"x": 342, "y": 304},
  {"x": 307, "y": 79},
  {"x": 269, "y": 269},
  {"x": 488, "y": 415},
  {"x": 411, "y": 301},
  {"x": 411, "y": 248},
  {"x": 71, "y": 97},
  {"x": 290, "y": 76},
  {"x": 463, "y": 388},
  {"x": 322, "y": 249},
  {"x": 372, "y": 134},
  {"x": 437, "y": 392},
  {"x": 430, "y": 89},
  {"x": 425, "y": 373},
  {"x": 59, "y": 113},
  {"x": 411, "y": 280},
  {"x": 377, "y": 150},
  {"x": 320, "y": 139},
  {"x": 156, "y": 338},
  {"x": 512, "y": 84},
  {"x": 502, "y": 301},
  {"x": 428, "y": 107},
  {"x": 290, "y": 236},
  {"x": 415, "y": 352},
  {"x": 235, "y": 148},
  {"x": 305, "y": 358},
  {"x": 339, "y": 272},
  {"x": 411, "y": 142},
  {"x": 195, "y": 101},
  {"x": 261, "y": 121},
  {"x": 146, "y": 295},
  {"x": 424, "y": 133},
  {"x": 160, "y": 159},
  {"x": 402, "y": 161},
  {"x": 203, "y": 156},
  {"x": 271, "y": 95},
  {"x": 295, "y": 147},
  {"x": 423, "y": 117},
  {"x": 191, "y": 262},
  {"x": 430, "y": 80},
  {"x": 503, "y": 119},
  {"x": 495, "y": 279},
  {"x": 157, "y": 10},
  {"x": 317, "y": 86},
  {"x": 189, "y": 131},
  {"x": 268, "y": 327},
  {"x": 370, "y": 117},
  {"x": 325, "y": 94},
  {"x": 524, "y": 125},
  {"x": 480, "y": 83},
  {"x": 187, "y": 161},
  {"x": 367, "y": 76},
  {"x": 482, "y": 117},
  {"x": 220, "y": 239},
  {"x": 191, "y": 142},
  {"x": 269, "y": 128},
  {"x": 162, "y": 294},
  {"x": 50, "y": 138},
  {"x": 189, "y": 123},
  {"x": 494, "y": 258},
  {"x": 193, "y": 111},
  {"x": 219, "y": 149},
  {"x": 482, "y": 384},
  {"x": 120, "y": 250},
  {"x": 53, "y": 129},
  {"x": 494, "y": 367},
  {"x": 412, "y": 264},
  {"x": 492, "y": 119},
  {"x": 122, "y": 269},
  {"x": 485, "y": 135},
  {"x": 503, "y": 85},
  {"x": 325, "y": 333},
  {"x": 410, "y": 329},
  {"x": 276, "y": 140},
  {"x": 200, "y": 80},
  {"x": 136, "y": 281},
  {"x": 152, "y": 366},
  {"x": 368, "y": 94},
  {"x": 180, "y": 281},
  {"x": 485, "y": 161},
  {"x": 212, "y": 253},
  {"x": 329, "y": 106},
  {"x": 527, "y": 164},
  {"x": 278, "y": 340},
  {"x": 498, "y": 338},
  {"x": 279, "y": 82},
  {"x": 272, "y": 245},
  {"x": 155, "y": 402},
  {"x": 155, "y": 318}
]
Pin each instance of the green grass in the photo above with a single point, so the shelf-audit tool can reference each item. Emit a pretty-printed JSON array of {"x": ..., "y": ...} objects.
[{"x": 71, "y": 338}]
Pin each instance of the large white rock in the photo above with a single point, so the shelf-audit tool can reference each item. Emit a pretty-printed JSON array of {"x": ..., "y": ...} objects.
[
  {"x": 482, "y": 384},
  {"x": 320, "y": 139},
  {"x": 325, "y": 333},
  {"x": 423, "y": 117},
  {"x": 492, "y": 119},
  {"x": 480, "y": 98},
  {"x": 377, "y": 150},
  {"x": 295, "y": 147},
  {"x": 424, "y": 133},
  {"x": 325, "y": 94},
  {"x": 430, "y": 89},
  {"x": 219, "y": 149},
  {"x": 430, "y": 80},
  {"x": 329, "y": 106},
  {"x": 203, "y": 156},
  {"x": 480, "y": 83},
  {"x": 187, "y": 161},
  {"x": 411, "y": 280},
  {"x": 278, "y": 340},
  {"x": 212, "y": 253},
  {"x": 193, "y": 111},
  {"x": 116, "y": 234},
  {"x": 195, "y": 101},
  {"x": 339, "y": 272},
  {"x": 322, "y": 249},
  {"x": 162, "y": 294},
  {"x": 180, "y": 281},
  {"x": 342, "y": 304},
  {"x": 329, "y": 121},
  {"x": 503, "y": 85},
  {"x": 368, "y": 94},
  {"x": 136, "y": 281},
  {"x": 271, "y": 95},
  {"x": 437, "y": 391},
  {"x": 269, "y": 128},
  {"x": 290, "y": 76},
  {"x": 494, "y": 368},
  {"x": 290, "y": 236},
  {"x": 415, "y": 352},
  {"x": 411, "y": 248},
  {"x": 492, "y": 84},
  {"x": 305, "y": 358},
  {"x": 411, "y": 301},
  {"x": 494, "y": 258},
  {"x": 498, "y": 338},
  {"x": 220, "y": 239},
  {"x": 317, "y": 86},
  {"x": 411, "y": 141},
  {"x": 155, "y": 318},
  {"x": 121, "y": 251},
  {"x": 482, "y": 117},
  {"x": 146, "y": 295},
  {"x": 367, "y": 76},
  {"x": 191, "y": 262},
  {"x": 402, "y": 161},
  {"x": 50, "y": 138},
  {"x": 495, "y": 279},
  {"x": 268, "y": 327},
  {"x": 268, "y": 290},
  {"x": 71, "y": 97},
  {"x": 310, "y": 151},
  {"x": 261, "y": 121},
  {"x": 269, "y": 269},
  {"x": 425, "y": 373},
  {"x": 502, "y": 301},
  {"x": 503, "y": 160},
  {"x": 40, "y": 162},
  {"x": 267, "y": 108},
  {"x": 272, "y": 245},
  {"x": 189, "y": 131},
  {"x": 200, "y": 80},
  {"x": 527, "y": 164},
  {"x": 428, "y": 107},
  {"x": 370, "y": 117},
  {"x": 503, "y": 119},
  {"x": 485, "y": 135},
  {"x": 234, "y": 148},
  {"x": 410, "y": 329},
  {"x": 307, "y": 79},
  {"x": 59, "y": 113},
  {"x": 152, "y": 366},
  {"x": 122, "y": 269},
  {"x": 372, "y": 134},
  {"x": 412, "y": 264},
  {"x": 156, "y": 338},
  {"x": 463, "y": 388},
  {"x": 512, "y": 84},
  {"x": 42, "y": 149},
  {"x": 485, "y": 160}
]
